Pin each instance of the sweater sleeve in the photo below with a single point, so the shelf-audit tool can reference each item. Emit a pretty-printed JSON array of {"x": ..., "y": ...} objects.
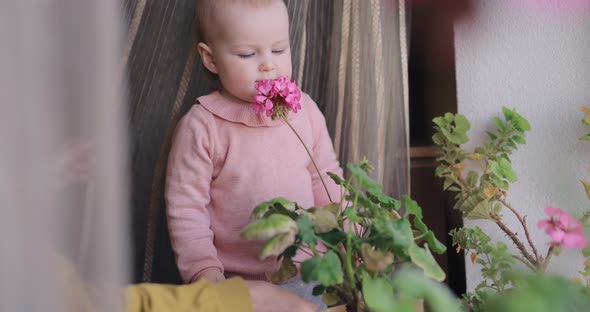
[
  {"x": 227, "y": 296},
  {"x": 188, "y": 180},
  {"x": 325, "y": 157}
]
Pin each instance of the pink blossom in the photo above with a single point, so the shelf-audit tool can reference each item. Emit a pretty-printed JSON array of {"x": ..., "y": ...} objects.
[
  {"x": 276, "y": 97},
  {"x": 563, "y": 229},
  {"x": 263, "y": 100}
]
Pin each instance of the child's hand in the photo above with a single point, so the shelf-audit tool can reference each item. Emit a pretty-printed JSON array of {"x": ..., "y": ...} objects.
[{"x": 213, "y": 276}]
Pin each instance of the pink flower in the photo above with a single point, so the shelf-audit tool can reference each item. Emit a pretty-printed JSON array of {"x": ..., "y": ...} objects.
[
  {"x": 263, "y": 101},
  {"x": 276, "y": 97},
  {"x": 563, "y": 229}
]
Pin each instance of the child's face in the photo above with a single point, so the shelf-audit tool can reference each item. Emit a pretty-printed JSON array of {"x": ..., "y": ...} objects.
[{"x": 252, "y": 44}]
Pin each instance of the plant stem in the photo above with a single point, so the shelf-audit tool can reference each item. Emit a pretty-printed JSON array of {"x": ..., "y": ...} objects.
[
  {"x": 525, "y": 262},
  {"x": 514, "y": 239},
  {"x": 419, "y": 237},
  {"x": 524, "y": 226},
  {"x": 309, "y": 154},
  {"x": 349, "y": 250},
  {"x": 547, "y": 258},
  {"x": 305, "y": 251}
]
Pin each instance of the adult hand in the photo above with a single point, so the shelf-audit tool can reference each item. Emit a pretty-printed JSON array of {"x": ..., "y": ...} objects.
[{"x": 272, "y": 298}]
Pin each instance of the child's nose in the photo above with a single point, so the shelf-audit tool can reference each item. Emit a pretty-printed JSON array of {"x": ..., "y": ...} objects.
[{"x": 266, "y": 65}]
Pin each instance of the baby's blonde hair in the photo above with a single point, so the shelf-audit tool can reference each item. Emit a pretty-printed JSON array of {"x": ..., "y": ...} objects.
[{"x": 206, "y": 14}]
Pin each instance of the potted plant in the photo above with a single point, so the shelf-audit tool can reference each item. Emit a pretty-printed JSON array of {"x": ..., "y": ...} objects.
[
  {"x": 376, "y": 250},
  {"x": 481, "y": 180}
]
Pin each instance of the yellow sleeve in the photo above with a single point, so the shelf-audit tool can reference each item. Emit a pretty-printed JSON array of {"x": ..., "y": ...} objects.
[{"x": 227, "y": 296}]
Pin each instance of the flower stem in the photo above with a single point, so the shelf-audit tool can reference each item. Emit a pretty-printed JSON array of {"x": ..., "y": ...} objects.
[
  {"x": 524, "y": 226},
  {"x": 530, "y": 266},
  {"x": 547, "y": 258},
  {"x": 515, "y": 240},
  {"x": 309, "y": 154}
]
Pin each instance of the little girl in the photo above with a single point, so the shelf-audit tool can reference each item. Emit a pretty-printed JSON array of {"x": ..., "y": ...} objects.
[{"x": 226, "y": 159}]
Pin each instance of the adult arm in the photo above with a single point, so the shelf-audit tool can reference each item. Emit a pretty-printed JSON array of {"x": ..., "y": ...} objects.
[{"x": 203, "y": 295}]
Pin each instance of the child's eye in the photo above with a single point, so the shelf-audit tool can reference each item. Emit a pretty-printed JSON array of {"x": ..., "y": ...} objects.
[
  {"x": 278, "y": 51},
  {"x": 246, "y": 55}
]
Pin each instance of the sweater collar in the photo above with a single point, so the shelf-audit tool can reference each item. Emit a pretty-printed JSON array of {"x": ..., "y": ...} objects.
[{"x": 235, "y": 110}]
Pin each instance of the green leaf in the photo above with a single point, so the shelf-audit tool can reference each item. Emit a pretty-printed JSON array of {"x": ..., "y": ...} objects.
[
  {"x": 542, "y": 293},
  {"x": 432, "y": 241},
  {"x": 276, "y": 245},
  {"x": 287, "y": 271},
  {"x": 352, "y": 216},
  {"x": 422, "y": 258},
  {"x": 364, "y": 202},
  {"x": 498, "y": 123},
  {"x": 269, "y": 227},
  {"x": 502, "y": 169},
  {"x": 436, "y": 297},
  {"x": 277, "y": 203},
  {"x": 448, "y": 182},
  {"x": 438, "y": 139},
  {"x": 398, "y": 233},
  {"x": 520, "y": 123},
  {"x": 324, "y": 218},
  {"x": 337, "y": 179},
  {"x": 291, "y": 251},
  {"x": 384, "y": 200},
  {"x": 586, "y": 137},
  {"x": 474, "y": 156},
  {"x": 519, "y": 139},
  {"x": 461, "y": 123},
  {"x": 318, "y": 290},
  {"x": 511, "y": 143},
  {"x": 412, "y": 206},
  {"x": 306, "y": 232},
  {"x": 327, "y": 269},
  {"x": 363, "y": 179},
  {"x": 457, "y": 138},
  {"x": 586, "y": 188},
  {"x": 472, "y": 178},
  {"x": 440, "y": 121},
  {"x": 449, "y": 117},
  {"x": 491, "y": 135},
  {"x": 333, "y": 237},
  {"x": 330, "y": 298},
  {"x": 440, "y": 170},
  {"x": 480, "y": 211},
  {"x": 378, "y": 294}
]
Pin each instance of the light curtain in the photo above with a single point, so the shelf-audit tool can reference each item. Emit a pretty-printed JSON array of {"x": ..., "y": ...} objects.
[
  {"x": 63, "y": 190},
  {"x": 367, "y": 110}
]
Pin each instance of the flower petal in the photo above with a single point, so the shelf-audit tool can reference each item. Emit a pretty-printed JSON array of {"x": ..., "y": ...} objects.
[{"x": 557, "y": 236}]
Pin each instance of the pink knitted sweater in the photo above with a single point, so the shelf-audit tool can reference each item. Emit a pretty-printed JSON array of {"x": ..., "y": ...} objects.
[{"x": 225, "y": 160}]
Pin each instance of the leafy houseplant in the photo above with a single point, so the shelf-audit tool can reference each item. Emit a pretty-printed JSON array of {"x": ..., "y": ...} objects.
[
  {"x": 357, "y": 243},
  {"x": 481, "y": 179}
]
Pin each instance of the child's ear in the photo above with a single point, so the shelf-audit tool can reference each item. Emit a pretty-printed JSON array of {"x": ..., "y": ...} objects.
[{"x": 207, "y": 57}]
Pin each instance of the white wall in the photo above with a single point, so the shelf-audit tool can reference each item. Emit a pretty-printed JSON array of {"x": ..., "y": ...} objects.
[{"x": 537, "y": 60}]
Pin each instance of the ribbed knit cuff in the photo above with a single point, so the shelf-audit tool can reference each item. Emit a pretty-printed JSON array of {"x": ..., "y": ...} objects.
[{"x": 212, "y": 274}]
